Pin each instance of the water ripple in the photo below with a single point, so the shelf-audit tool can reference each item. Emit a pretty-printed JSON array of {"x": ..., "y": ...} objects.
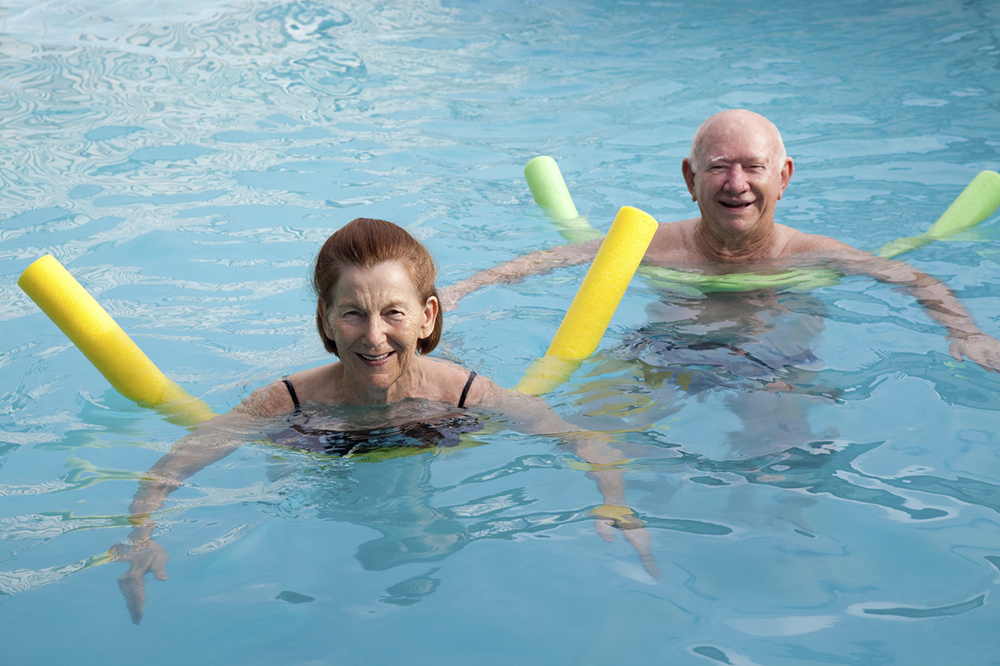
[
  {"x": 51, "y": 525},
  {"x": 159, "y": 83},
  {"x": 222, "y": 541}
]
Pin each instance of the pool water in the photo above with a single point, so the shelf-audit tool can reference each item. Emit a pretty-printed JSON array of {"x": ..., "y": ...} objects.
[{"x": 185, "y": 160}]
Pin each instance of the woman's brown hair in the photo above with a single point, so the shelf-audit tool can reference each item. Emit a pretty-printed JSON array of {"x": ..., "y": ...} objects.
[{"x": 366, "y": 243}]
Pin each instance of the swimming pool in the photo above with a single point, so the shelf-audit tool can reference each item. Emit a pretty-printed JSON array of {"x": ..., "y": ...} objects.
[{"x": 185, "y": 161}]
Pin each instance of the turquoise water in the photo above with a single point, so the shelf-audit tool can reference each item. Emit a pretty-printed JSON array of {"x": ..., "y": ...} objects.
[{"x": 184, "y": 161}]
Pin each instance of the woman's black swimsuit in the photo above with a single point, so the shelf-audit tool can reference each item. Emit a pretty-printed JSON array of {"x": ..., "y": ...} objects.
[{"x": 444, "y": 431}]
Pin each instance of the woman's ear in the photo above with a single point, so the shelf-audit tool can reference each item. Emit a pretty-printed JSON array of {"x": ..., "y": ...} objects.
[
  {"x": 431, "y": 308},
  {"x": 321, "y": 313}
]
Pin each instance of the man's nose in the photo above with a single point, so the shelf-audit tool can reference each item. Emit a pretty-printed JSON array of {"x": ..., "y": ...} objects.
[{"x": 736, "y": 179}]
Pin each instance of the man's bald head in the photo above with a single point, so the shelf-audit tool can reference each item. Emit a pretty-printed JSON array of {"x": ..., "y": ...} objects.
[{"x": 734, "y": 122}]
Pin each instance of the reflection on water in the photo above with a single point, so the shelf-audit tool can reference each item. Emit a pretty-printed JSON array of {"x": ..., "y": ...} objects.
[
  {"x": 398, "y": 498},
  {"x": 753, "y": 348}
]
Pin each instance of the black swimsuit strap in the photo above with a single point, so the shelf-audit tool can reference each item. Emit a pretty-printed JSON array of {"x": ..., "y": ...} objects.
[
  {"x": 465, "y": 391},
  {"x": 461, "y": 400},
  {"x": 291, "y": 392}
]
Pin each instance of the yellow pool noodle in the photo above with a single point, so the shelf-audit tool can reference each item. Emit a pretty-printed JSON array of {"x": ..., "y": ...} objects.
[
  {"x": 595, "y": 302},
  {"x": 105, "y": 344},
  {"x": 604, "y": 285},
  {"x": 547, "y": 373}
]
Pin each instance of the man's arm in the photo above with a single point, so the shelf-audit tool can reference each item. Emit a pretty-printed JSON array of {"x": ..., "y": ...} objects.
[
  {"x": 967, "y": 340},
  {"x": 515, "y": 270}
]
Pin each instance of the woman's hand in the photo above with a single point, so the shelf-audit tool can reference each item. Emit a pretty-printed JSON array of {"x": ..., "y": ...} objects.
[
  {"x": 144, "y": 555},
  {"x": 214, "y": 440},
  {"x": 607, "y": 517}
]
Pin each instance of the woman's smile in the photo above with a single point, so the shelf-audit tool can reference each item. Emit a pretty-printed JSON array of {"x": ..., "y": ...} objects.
[{"x": 375, "y": 360}]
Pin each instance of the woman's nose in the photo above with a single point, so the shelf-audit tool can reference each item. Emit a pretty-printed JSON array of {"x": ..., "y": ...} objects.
[{"x": 374, "y": 332}]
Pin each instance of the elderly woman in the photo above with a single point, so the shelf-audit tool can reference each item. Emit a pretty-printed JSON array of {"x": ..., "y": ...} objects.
[{"x": 378, "y": 311}]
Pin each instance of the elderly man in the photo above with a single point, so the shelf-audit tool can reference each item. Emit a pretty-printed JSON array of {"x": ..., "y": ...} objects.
[
  {"x": 737, "y": 171},
  {"x": 757, "y": 342}
]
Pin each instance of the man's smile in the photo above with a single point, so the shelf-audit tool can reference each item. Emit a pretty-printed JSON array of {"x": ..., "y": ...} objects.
[{"x": 736, "y": 205}]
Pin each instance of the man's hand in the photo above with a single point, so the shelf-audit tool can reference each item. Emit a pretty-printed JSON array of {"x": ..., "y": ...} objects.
[{"x": 979, "y": 348}]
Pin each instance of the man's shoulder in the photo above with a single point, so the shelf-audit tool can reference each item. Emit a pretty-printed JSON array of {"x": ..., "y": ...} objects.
[
  {"x": 673, "y": 242},
  {"x": 799, "y": 242}
]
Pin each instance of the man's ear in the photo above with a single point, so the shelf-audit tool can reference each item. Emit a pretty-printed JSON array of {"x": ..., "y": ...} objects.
[
  {"x": 688, "y": 172},
  {"x": 787, "y": 169}
]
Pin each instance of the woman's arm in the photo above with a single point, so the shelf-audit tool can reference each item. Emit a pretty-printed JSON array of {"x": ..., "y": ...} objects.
[
  {"x": 212, "y": 441},
  {"x": 534, "y": 416}
]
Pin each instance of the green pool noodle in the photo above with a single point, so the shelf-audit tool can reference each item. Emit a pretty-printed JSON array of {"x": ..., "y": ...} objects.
[
  {"x": 548, "y": 187},
  {"x": 549, "y": 191},
  {"x": 978, "y": 201},
  {"x": 693, "y": 284}
]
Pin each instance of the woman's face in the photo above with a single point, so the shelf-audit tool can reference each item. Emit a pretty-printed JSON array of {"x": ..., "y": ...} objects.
[{"x": 376, "y": 318}]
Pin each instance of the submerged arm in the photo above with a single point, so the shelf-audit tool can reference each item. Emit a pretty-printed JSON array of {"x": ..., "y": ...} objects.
[
  {"x": 515, "y": 270},
  {"x": 942, "y": 305},
  {"x": 214, "y": 440},
  {"x": 532, "y": 415}
]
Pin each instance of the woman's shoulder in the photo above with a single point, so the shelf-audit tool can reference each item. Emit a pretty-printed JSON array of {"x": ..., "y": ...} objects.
[
  {"x": 273, "y": 399},
  {"x": 449, "y": 381},
  {"x": 286, "y": 394}
]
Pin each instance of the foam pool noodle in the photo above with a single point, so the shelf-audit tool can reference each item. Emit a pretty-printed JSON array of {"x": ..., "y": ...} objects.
[
  {"x": 549, "y": 191},
  {"x": 106, "y": 345},
  {"x": 978, "y": 201},
  {"x": 595, "y": 302},
  {"x": 695, "y": 284}
]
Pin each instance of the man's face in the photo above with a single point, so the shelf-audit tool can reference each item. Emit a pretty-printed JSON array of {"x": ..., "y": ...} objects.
[{"x": 738, "y": 177}]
